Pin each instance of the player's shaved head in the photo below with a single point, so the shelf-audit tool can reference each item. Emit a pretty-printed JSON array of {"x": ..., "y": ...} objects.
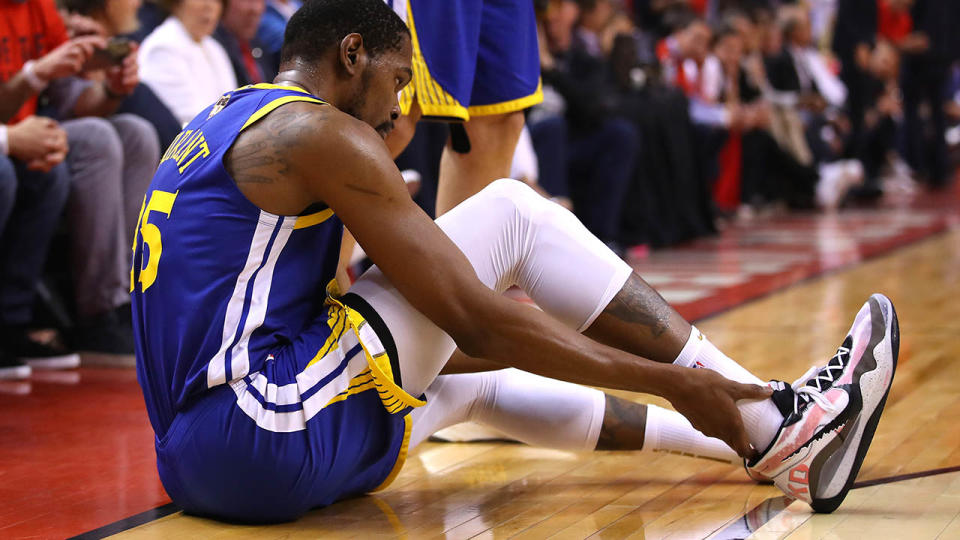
[{"x": 321, "y": 24}]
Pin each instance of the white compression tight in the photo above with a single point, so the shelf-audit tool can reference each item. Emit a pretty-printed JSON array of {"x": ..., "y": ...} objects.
[
  {"x": 511, "y": 236},
  {"x": 522, "y": 406}
]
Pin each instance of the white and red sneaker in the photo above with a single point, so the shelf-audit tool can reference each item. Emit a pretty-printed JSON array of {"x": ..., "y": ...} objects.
[{"x": 831, "y": 413}]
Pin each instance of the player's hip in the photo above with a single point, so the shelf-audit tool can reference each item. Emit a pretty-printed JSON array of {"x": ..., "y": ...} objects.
[{"x": 216, "y": 461}]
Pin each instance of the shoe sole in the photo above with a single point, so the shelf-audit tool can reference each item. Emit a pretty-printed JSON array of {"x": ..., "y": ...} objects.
[
  {"x": 828, "y": 505},
  {"x": 66, "y": 361},
  {"x": 14, "y": 373}
]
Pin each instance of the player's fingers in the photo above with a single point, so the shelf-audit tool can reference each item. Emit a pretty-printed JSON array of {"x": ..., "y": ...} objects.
[
  {"x": 737, "y": 437},
  {"x": 750, "y": 391}
]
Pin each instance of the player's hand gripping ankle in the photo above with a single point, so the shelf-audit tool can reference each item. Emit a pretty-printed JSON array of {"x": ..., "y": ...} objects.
[{"x": 709, "y": 401}]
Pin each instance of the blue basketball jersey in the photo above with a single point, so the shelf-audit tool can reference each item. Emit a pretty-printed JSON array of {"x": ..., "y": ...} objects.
[{"x": 218, "y": 284}]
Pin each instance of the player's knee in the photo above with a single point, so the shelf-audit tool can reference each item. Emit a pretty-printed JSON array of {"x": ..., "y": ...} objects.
[
  {"x": 521, "y": 198},
  {"x": 514, "y": 191}
]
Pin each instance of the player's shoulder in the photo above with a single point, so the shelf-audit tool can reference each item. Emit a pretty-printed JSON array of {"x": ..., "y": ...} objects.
[{"x": 324, "y": 131}]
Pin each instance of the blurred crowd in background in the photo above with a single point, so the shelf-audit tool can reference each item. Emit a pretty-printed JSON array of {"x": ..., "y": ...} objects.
[{"x": 661, "y": 121}]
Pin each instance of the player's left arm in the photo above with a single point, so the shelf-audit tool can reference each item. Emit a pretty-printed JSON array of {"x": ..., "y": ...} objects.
[{"x": 341, "y": 161}]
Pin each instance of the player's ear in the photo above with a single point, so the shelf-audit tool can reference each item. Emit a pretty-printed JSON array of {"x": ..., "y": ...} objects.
[{"x": 353, "y": 55}]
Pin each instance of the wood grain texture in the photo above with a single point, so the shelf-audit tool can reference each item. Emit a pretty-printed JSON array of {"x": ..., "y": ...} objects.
[{"x": 490, "y": 490}]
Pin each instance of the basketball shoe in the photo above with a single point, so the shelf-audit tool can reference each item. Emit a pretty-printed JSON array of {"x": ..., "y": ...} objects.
[{"x": 831, "y": 413}]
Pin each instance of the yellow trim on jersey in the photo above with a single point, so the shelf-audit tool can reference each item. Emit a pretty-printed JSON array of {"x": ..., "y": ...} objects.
[
  {"x": 310, "y": 220},
  {"x": 393, "y": 397},
  {"x": 508, "y": 106},
  {"x": 270, "y": 107},
  {"x": 360, "y": 383},
  {"x": 337, "y": 320},
  {"x": 433, "y": 99},
  {"x": 401, "y": 456},
  {"x": 271, "y": 86}
]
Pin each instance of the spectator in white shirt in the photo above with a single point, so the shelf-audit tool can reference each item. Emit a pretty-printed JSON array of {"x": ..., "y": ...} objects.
[{"x": 183, "y": 65}]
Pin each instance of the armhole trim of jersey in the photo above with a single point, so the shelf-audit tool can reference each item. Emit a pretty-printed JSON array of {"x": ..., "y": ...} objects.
[{"x": 310, "y": 220}]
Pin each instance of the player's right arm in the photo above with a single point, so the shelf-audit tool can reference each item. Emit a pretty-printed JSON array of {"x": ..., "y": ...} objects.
[{"x": 343, "y": 162}]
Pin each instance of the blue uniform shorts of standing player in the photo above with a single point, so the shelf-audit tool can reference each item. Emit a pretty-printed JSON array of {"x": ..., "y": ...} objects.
[{"x": 471, "y": 57}]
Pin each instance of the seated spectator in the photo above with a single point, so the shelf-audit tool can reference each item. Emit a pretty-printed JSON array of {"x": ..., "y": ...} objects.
[
  {"x": 668, "y": 201},
  {"x": 802, "y": 79},
  {"x": 113, "y": 18},
  {"x": 150, "y": 15},
  {"x": 182, "y": 63},
  {"x": 33, "y": 190},
  {"x": 865, "y": 24},
  {"x": 683, "y": 52},
  {"x": 768, "y": 173},
  {"x": 110, "y": 162},
  {"x": 597, "y": 155},
  {"x": 881, "y": 109},
  {"x": 274, "y": 23},
  {"x": 252, "y": 62},
  {"x": 926, "y": 67}
]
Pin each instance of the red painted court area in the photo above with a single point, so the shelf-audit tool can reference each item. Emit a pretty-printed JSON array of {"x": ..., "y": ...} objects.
[
  {"x": 76, "y": 453},
  {"x": 76, "y": 449}
]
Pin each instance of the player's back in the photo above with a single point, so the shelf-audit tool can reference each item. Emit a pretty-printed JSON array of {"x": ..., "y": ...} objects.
[{"x": 217, "y": 283}]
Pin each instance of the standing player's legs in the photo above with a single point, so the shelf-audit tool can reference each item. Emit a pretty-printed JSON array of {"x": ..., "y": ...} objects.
[
  {"x": 493, "y": 140},
  {"x": 512, "y": 236},
  {"x": 476, "y": 62}
]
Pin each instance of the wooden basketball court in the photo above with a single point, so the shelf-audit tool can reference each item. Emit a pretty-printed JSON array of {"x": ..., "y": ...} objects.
[{"x": 77, "y": 458}]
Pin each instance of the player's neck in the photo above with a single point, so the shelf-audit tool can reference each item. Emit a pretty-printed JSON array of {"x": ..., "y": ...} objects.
[
  {"x": 309, "y": 79},
  {"x": 294, "y": 77}
]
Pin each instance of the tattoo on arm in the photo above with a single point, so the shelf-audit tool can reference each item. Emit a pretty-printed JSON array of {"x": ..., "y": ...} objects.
[
  {"x": 624, "y": 423},
  {"x": 638, "y": 303},
  {"x": 262, "y": 155}
]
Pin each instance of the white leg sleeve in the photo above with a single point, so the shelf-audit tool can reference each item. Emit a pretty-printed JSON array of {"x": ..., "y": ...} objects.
[
  {"x": 511, "y": 236},
  {"x": 525, "y": 407}
]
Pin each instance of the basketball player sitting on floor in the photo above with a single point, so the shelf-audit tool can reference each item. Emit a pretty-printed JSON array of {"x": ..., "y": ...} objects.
[{"x": 270, "y": 394}]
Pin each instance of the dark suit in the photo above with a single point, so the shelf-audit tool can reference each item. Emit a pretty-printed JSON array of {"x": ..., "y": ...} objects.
[
  {"x": 266, "y": 62},
  {"x": 923, "y": 79},
  {"x": 782, "y": 73}
]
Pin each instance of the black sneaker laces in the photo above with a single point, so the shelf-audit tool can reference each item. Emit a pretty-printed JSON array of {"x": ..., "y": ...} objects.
[{"x": 816, "y": 381}]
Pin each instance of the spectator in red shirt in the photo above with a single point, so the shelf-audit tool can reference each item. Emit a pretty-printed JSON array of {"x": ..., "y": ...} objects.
[
  {"x": 110, "y": 160},
  {"x": 33, "y": 190},
  {"x": 110, "y": 18}
]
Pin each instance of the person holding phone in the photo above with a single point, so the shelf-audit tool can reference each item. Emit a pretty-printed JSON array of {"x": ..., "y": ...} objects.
[
  {"x": 117, "y": 21},
  {"x": 110, "y": 160}
]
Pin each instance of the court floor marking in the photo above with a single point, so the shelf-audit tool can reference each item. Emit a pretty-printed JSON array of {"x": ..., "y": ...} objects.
[{"x": 128, "y": 523}]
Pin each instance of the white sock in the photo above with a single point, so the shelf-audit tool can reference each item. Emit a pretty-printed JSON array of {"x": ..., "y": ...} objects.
[
  {"x": 669, "y": 431},
  {"x": 761, "y": 418}
]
